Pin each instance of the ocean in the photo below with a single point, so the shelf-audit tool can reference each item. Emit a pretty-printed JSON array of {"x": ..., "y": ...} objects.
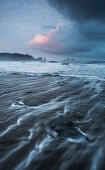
[{"x": 52, "y": 115}]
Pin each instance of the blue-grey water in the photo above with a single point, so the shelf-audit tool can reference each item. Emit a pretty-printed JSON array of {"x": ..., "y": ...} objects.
[{"x": 52, "y": 116}]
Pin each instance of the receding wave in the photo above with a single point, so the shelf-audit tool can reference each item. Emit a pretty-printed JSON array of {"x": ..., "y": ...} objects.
[{"x": 51, "y": 122}]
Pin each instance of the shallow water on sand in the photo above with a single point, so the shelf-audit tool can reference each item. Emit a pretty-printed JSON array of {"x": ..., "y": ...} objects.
[{"x": 51, "y": 121}]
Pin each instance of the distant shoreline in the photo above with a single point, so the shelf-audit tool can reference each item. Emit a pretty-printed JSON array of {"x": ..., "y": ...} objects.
[{"x": 19, "y": 57}]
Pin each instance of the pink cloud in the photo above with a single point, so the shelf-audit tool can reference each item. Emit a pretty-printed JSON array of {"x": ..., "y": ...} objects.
[{"x": 47, "y": 42}]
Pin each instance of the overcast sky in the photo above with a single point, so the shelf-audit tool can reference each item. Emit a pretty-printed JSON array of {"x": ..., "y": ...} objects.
[{"x": 53, "y": 28}]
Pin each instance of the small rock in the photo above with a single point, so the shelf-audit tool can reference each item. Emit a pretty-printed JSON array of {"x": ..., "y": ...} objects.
[
  {"x": 90, "y": 139},
  {"x": 70, "y": 123}
]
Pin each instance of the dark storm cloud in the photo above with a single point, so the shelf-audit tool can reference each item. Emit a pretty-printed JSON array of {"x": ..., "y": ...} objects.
[
  {"x": 88, "y": 20},
  {"x": 81, "y": 10},
  {"x": 93, "y": 31},
  {"x": 82, "y": 32}
]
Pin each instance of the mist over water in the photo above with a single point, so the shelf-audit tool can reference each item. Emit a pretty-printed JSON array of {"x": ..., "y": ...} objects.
[
  {"x": 90, "y": 69},
  {"x": 52, "y": 116}
]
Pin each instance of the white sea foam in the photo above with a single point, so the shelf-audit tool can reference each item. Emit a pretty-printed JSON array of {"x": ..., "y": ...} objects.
[
  {"x": 97, "y": 159},
  {"x": 25, "y": 126},
  {"x": 90, "y": 70},
  {"x": 39, "y": 146}
]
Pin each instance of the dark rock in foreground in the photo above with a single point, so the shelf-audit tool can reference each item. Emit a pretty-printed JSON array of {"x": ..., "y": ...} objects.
[{"x": 69, "y": 130}]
